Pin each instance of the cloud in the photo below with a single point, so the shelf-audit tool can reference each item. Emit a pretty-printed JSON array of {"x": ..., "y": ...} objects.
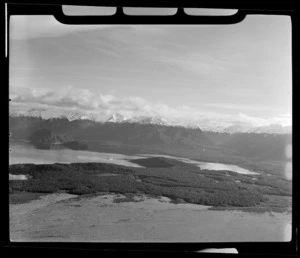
[
  {"x": 190, "y": 64},
  {"x": 81, "y": 99},
  {"x": 66, "y": 97},
  {"x": 184, "y": 57},
  {"x": 104, "y": 105}
]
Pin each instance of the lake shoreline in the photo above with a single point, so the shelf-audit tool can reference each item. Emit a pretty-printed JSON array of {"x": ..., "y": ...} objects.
[
  {"x": 60, "y": 193},
  {"x": 116, "y": 158}
]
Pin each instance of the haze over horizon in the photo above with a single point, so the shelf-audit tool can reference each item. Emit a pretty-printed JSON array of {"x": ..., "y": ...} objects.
[{"x": 219, "y": 75}]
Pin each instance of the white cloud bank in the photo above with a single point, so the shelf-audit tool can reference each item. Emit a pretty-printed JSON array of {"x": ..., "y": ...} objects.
[{"x": 104, "y": 105}]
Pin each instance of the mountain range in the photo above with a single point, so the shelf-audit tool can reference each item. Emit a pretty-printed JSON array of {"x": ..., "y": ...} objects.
[
  {"x": 149, "y": 134},
  {"x": 158, "y": 120},
  {"x": 125, "y": 133},
  {"x": 118, "y": 118}
]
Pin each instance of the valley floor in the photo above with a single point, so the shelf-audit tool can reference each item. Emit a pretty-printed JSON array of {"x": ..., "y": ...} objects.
[{"x": 64, "y": 217}]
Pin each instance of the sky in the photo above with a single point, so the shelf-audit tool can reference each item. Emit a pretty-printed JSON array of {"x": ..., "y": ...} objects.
[{"x": 219, "y": 75}]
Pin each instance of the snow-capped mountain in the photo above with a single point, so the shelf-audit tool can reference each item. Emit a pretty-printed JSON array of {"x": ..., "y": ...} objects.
[
  {"x": 209, "y": 126},
  {"x": 233, "y": 129},
  {"x": 237, "y": 128},
  {"x": 33, "y": 112},
  {"x": 272, "y": 129},
  {"x": 269, "y": 129},
  {"x": 52, "y": 114},
  {"x": 147, "y": 120},
  {"x": 185, "y": 125},
  {"x": 158, "y": 120},
  {"x": 116, "y": 118},
  {"x": 78, "y": 116}
]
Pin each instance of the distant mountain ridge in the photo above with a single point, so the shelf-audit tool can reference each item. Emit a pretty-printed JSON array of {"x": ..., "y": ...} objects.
[
  {"x": 47, "y": 114},
  {"x": 269, "y": 129},
  {"x": 176, "y": 140},
  {"x": 151, "y": 136},
  {"x": 158, "y": 120},
  {"x": 118, "y": 118},
  {"x": 146, "y": 130},
  {"x": 259, "y": 145}
]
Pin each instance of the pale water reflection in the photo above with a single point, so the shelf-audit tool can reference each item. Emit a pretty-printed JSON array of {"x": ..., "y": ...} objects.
[
  {"x": 27, "y": 153},
  {"x": 209, "y": 165},
  {"x": 220, "y": 166},
  {"x": 22, "y": 152}
]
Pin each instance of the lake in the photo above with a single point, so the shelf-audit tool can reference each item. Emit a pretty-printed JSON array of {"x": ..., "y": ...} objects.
[
  {"x": 85, "y": 220},
  {"x": 24, "y": 152},
  {"x": 208, "y": 165}
]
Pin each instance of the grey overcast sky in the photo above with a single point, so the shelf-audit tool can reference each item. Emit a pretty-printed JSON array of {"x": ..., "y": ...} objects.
[{"x": 224, "y": 74}]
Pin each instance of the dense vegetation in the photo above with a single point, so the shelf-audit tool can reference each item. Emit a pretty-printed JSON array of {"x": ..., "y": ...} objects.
[
  {"x": 179, "y": 181},
  {"x": 153, "y": 162}
]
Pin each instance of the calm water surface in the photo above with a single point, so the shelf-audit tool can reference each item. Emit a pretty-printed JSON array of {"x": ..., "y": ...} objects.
[{"x": 24, "y": 152}]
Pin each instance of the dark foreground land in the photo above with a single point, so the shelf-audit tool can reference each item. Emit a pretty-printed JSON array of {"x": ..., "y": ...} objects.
[{"x": 181, "y": 182}]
